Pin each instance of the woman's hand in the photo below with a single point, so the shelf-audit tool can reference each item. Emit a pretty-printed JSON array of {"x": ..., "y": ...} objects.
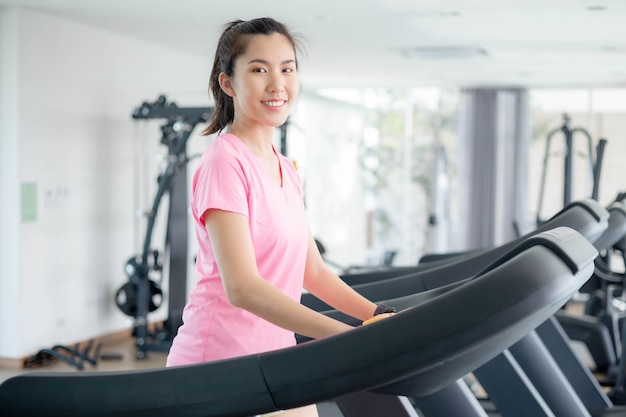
[{"x": 378, "y": 317}]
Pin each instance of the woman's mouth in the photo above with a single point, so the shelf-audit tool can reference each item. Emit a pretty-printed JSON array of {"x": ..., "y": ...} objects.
[{"x": 274, "y": 103}]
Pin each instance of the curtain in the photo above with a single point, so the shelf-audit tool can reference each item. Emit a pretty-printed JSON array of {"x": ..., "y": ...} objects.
[{"x": 494, "y": 137}]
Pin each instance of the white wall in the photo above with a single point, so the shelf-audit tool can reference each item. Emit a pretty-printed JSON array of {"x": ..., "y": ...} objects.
[
  {"x": 9, "y": 191},
  {"x": 67, "y": 128}
]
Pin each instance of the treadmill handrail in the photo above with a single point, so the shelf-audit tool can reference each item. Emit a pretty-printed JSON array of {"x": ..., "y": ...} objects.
[{"x": 409, "y": 350}]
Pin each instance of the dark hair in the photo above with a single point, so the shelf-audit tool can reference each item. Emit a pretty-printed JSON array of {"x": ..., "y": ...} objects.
[{"x": 233, "y": 43}]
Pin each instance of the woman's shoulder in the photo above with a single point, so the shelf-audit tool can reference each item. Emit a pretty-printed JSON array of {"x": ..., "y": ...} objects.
[
  {"x": 221, "y": 155},
  {"x": 224, "y": 143},
  {"x": 223, "y": 147}
]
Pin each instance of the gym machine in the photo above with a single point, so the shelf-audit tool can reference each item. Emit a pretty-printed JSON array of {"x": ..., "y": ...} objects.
[
  {"x": 516, "y": 397},
  {"x": 75, "y": 356},
  {"x": 418, "y": 357},
  {"x": 141, "y": 295},
  {"x": 595, "y": 167}
]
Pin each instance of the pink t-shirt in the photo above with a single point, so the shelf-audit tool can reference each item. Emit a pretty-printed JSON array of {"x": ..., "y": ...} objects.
[{"x": 231, "y": 178}]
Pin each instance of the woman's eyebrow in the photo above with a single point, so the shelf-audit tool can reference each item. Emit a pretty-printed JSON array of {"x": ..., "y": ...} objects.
[{"x": 264, "y": 62}]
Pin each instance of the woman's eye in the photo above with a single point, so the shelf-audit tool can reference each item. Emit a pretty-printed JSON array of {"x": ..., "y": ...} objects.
[
  {"x": 259, "y": 70},
  {"x": 289, "y": 70}
]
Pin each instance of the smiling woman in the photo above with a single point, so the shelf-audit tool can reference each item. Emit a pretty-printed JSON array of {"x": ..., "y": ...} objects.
[{"x": 255, "y": 250}]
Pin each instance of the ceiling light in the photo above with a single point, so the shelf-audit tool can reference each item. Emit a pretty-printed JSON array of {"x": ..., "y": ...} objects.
[
  {"x": 450, "y": 13},
  {"x": 444, "y": 52},
  {"x": 617, "y": 49}
]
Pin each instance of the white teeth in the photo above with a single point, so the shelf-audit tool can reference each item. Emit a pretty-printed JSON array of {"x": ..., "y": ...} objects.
[{"x": 274, "y": 103}]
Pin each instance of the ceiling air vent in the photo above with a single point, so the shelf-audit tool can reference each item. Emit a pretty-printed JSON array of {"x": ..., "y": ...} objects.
[{"x": 444, "y": 52}]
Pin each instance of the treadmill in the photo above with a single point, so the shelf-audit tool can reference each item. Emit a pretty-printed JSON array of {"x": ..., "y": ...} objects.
[
  {"x": 567, "y": 387},
  {"x": 437, "y": 337}
]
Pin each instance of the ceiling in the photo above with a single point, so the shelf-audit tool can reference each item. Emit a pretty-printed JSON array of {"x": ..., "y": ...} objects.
[{"x": 396, "y": 43}]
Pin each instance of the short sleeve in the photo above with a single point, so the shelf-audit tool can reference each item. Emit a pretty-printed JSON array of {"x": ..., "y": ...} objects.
[{"x": 219, "y": 183}]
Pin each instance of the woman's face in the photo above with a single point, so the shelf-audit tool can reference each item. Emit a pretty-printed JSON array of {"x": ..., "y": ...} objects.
[{"x": 265, "y": 81}]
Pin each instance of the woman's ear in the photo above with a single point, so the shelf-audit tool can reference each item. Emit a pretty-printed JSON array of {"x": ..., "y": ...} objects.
[{"x": 226, "y": 84}]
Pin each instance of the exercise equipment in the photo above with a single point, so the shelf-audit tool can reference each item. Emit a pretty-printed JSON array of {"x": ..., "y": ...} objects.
[
  {"x": 599, "y": 329},
  {"x": 585, "y": 216},
  {"x": 141, "y": 294},
  {"x": 530, "y": 378},
  {"x": 515, "y": 395},
  {"x": 594, "y": 166},
  {"x": 455, "y": 400},
  {"x": 408, "y": 353},
  {"x": 607, "y": 305},
  {"x": 75, "y": 356}
]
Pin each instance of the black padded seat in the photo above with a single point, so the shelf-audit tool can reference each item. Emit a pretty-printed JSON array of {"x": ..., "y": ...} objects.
[
  {"x": 586, "y": 216},
  {"x": 408, "y": 351}
]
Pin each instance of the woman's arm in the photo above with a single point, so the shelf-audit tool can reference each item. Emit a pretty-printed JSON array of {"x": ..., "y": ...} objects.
[
  {"x": 245, "y": 288},
  {"x": 323, "y": 283}
]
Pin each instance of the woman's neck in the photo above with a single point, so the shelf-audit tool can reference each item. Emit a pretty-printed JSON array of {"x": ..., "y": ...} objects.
[{"x": 259, "y": 141}]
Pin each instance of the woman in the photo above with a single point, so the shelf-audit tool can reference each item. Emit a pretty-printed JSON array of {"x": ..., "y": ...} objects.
[{"x": 256, "y": 252}]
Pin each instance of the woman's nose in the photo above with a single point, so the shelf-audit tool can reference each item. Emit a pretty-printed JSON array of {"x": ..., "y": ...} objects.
[{"x": 276, "y": 84}]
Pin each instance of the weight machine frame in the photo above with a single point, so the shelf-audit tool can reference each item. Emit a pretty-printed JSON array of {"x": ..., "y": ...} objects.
[
  {"x": 180, "y": 123},
  {"x": 568, "y": 164}
]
